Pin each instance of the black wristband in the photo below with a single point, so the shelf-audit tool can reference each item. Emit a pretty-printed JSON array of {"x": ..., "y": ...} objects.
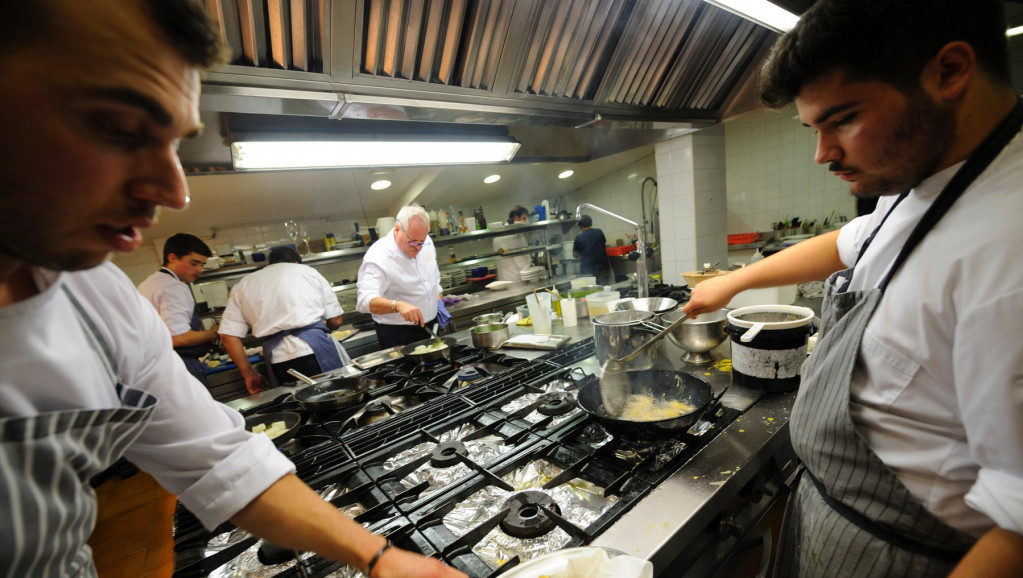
[{"x": 376, "y": 558}]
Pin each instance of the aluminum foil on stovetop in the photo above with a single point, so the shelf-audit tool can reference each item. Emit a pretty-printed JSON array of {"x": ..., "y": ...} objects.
[
  {"x": 580, "y": 503},
  {"x": 481, "y": 451},
  {"x": 556, "y": 403}
]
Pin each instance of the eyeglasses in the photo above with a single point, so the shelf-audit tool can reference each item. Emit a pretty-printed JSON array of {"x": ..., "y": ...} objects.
[{"x": 411, "y": 243}]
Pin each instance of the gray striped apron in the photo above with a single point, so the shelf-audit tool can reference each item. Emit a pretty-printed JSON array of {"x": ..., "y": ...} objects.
[
  {"x": 850, "y": 515},
  {"x": 46, "y": 461}
]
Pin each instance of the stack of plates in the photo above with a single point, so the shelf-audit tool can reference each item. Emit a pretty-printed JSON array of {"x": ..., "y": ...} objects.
[
  {"x": 452, "y": 278},
  {"x": 532, "y": 273}
]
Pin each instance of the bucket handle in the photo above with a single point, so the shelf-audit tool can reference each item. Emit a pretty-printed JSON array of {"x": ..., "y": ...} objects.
[{"x": 752, "y": 332}]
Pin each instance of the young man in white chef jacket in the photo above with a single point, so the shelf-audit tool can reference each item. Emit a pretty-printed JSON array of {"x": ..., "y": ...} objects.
[
  {"x": 170, "y": 292},
  {"x": 94, "y": 99}
]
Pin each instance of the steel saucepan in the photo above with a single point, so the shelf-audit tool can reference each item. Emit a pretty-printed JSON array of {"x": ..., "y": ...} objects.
[
  {"x": 291, "y": 421},
  {"x": 428, "y": 356},
  {"x": 661, "y": 385},
  {"x": 335, "y": 394}
]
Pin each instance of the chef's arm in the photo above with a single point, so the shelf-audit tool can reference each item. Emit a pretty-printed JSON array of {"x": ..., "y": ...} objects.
[
  {"x": 190, "y": 338},
  {"x": 998, "y": 553},
  {"x": 254, "y": 382},
  {"x": 333, "y": 323},
  {"x": 811, "y": 260},
  {"x": 291, "y": 515},
  {"x": 408, "y": 311}
]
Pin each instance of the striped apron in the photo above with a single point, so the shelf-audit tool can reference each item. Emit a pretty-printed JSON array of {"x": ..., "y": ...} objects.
[
  {"x": 850, "y": 515},
  {"x": 328, "y": 353},
  {"x": 46, "y": 461}
]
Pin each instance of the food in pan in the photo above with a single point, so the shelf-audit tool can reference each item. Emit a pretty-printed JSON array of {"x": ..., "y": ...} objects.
[
  {"x": 276, "y": 428},
  {"x": 647, "y": 408},
  {"x": 435, "y": 346}
]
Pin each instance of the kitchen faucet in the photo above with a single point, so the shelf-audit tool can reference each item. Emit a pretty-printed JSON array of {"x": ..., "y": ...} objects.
[{"x": 642, "y": 280}]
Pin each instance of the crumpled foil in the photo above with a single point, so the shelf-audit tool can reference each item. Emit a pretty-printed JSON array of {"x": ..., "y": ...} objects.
[
  {"x": 247, "y": 564},
  {"x": 480, "y": 451},
  {"x": 580, "y": 502}
]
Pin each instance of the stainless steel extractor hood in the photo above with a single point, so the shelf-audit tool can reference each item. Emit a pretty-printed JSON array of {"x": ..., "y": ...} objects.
[{"x": 569, "y": 79}]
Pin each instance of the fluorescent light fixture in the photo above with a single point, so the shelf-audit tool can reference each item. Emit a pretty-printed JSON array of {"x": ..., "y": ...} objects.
[
  {"x": 380, "y": 185},
  {"x": 492, "y": 179},
  {"x": 566, "y": 174},
  {"x": 1014, "y": 31},
  {"x": 762, "y": 12},
  {"x": 268, "y": 155}
]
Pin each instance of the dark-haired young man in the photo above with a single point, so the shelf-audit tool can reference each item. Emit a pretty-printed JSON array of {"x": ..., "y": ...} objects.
[
  {"x": 590, "y": 247},
  {"x": 95, "y": 96},
  {"x": 168, "y": 290},
  {"x": 908, "y": 419},
  {"x": 292, "y": 309}
]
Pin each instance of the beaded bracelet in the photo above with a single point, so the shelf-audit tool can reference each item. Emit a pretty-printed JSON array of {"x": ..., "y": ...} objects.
[{"x": 373, "y": 562}]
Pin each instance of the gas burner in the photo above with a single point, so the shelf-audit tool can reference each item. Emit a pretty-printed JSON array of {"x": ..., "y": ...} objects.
[
  {"x": 593, "y": 435},
  {"x": 381, "y": 408},
  {"x": 526, "y": 519},
  {"x": 446, "y": 454},
  {"x": 556, "y": 403},
  {"x": 473, "y": 372}
]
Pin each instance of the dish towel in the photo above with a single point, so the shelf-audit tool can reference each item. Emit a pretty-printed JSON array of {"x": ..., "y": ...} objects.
[{"x": 442, "y": 314}]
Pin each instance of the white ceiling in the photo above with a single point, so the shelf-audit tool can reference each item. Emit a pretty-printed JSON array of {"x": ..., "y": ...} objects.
[{"x": 238, "y": 199}]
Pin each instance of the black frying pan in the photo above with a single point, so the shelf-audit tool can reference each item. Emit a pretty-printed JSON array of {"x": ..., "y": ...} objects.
[
  {"x": 429, "y": 356},
  {"x": 661, "y": 384},
  {"x": 291, "y": 422},
  {"x": 335, "y": 394}
]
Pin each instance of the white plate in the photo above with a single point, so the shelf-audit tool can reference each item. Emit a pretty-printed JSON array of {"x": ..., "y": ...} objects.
[{"x": 498, "y": 285}]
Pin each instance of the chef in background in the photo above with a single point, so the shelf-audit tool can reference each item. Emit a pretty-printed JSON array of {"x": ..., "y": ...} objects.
[
  {"x": 510, "y": 268},
  {"x": 909, "y": 416},
  {"x": 399, "y": 280},
  {"x": 95, "y": 98},
  {"x": 168, "y": 290},
  {"x": 292, "y": 309},
  {"x": 590, "y": 247}
]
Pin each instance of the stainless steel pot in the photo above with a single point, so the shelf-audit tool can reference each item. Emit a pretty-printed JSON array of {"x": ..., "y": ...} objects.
[
  {"x": 656, "y": 305},
  {"x": 488, "y": 318},
  {"x": 489, "y": 336},
  {"x": 620, "y": 333}
]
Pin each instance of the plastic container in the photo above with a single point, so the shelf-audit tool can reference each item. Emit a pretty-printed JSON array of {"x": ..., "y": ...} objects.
[
  {"x": 583, "y": 281},
  {"x": 743, "y": 238},
  {"x": 598, "y": 303}
]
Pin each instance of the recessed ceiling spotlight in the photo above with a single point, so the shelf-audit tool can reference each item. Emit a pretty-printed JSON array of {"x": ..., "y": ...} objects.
[
  {"x": 566, "y": 174},
  {"x": 380, "y": 185},
  {"x": 492, "y": 179}
]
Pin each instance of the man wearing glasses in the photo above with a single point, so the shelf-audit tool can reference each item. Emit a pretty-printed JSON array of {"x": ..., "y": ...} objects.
[{"x": 399, "y": 281}]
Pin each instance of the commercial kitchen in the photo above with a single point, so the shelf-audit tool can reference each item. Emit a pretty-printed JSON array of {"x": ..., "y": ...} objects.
[{"x": 485, "y": 457}]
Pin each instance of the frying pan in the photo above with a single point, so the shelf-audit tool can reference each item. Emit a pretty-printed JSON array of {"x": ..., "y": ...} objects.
[
  {"x": 291, "y": 422},
  {"x": 661, "y": 384},
  {"x": 429, "y": 356},
  {"x": 335, "y": 394}
]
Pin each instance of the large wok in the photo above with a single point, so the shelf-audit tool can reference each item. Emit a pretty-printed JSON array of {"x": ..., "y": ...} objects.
[
  {"x": 661, "y": 384},
  {"x": 429, "y": 356},
  {"x": 335, "y": 394}
]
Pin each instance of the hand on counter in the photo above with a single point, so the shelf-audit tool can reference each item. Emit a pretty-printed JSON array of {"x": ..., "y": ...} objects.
[{"x": 255, "y": 383}]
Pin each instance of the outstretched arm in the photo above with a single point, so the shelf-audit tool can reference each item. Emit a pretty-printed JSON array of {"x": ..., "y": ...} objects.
[
  {"x": 291, "y": 515},
  {"x": 811, "y": 260}
]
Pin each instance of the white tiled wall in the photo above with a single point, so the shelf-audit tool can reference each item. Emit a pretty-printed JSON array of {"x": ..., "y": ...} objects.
[
  {"x": 617, "y": 192},
  {"x": 693, "y": 217},
  {"x": 771, "y": 175}
]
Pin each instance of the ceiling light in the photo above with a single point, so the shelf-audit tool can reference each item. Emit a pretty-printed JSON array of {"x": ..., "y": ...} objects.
[
  {"x": 566, "y": 174},
  {"x": 1014, "y": 31},
  {"x": 761, "y": 12},
  {"x": 257, "y": 155},
  {"x": 492, "y": 179},
  {"x": 380, "y": 185}
]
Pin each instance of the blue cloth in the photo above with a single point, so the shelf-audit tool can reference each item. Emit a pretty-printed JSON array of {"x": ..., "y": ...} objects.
[
  {"x": 317, "y": 336},
  {"x": 442, "y": 314}
]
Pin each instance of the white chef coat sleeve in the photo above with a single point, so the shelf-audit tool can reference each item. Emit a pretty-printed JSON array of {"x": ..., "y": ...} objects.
[
  {"x": 331, "y": 306},
  {"x": 195, "y": 447},
  {"x": 233, "y": 321},
  {"x": 989, "y": 388},
  {"x": 176, "y": 305},
  {"x": 372, "y": 283},
  {"x": 853, "y": 234}
]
